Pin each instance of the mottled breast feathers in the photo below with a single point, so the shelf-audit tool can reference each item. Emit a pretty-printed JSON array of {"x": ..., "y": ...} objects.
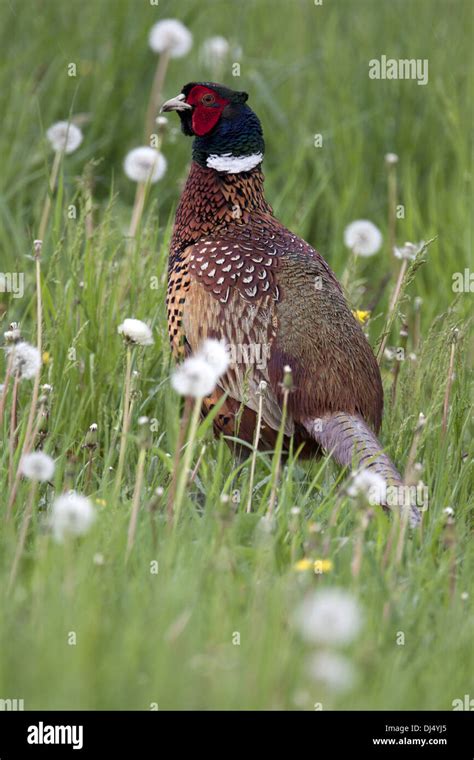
[{"x": 275, "y": 301}]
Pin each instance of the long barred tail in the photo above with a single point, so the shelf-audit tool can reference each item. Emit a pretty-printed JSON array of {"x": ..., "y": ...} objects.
[{"x": 352, "y": 443}]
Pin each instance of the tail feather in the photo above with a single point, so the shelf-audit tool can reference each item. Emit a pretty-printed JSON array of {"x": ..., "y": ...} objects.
[{"x": 351, "y": 442}]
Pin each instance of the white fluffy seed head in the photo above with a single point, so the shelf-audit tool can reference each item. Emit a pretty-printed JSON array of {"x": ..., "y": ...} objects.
[
  {"x": 370, "y": 485},
  {"x": 214, "y": 51},
  {"x": 64, "y": 136},
  {"x": 13, "y": 335},
  {"x": 26, "y": 360},
  {"x": 135, "y": 331},
  {"x": 171, "y": 35},
  {"x": 215, "y": 353},
  {"x": 144, "y": 164},
  {"x": 332, "y": 670},
  {"x": 194, "y": 377},
  {"x": 71, "y": 515},
  {"x": 408, "y": 251},
  {"x": 363, "y": 237},
  {"x": 37, "y": 466},
  {"x": 391, "y": 159},
  {"x": 329, "y": 616}
]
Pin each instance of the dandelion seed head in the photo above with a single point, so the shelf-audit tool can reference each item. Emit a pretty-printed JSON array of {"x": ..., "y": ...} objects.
[
  {"x": 332, "y": 670},
  {"x": 391, "y": 159},
  {"x": 145, "y": 164},
  {"x": 13, "y": 334},
  {"x": 135, "y": 331},
  {"x": 390, "y": 353},
  {"x": 214, "y": 51},
  {"x": 328, "y": 616},
  {"x": 71, "y": 515},
  {"x": 215, "y": 353},
  {"x": 171, "y": 35},
  {"x": 194, "y": 377},
  {"x": 26, "y": 360},
  {"x": 37, "y": 466},
  {"x": 368, "y": 484},
  {"x": 363, "y": 237},
  {"x": 409, "y": 251},
  {"x": 64, "y": 136}
]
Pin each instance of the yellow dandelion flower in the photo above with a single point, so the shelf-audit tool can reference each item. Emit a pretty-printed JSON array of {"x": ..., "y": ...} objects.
[
  {"x": 321, "y": 566},
  {"x": 101, "y": 502},
  {"x": 361, "y": 316},
  {"x": 303, "y": 564},
  {"x": 46, "y": 357}
]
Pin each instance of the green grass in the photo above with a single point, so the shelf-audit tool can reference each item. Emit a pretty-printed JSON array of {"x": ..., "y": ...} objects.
[{"x": 144, "y": 637}]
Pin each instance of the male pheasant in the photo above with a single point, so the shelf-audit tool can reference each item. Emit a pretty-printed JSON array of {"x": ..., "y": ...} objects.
[{"x": 237, "y": 274}]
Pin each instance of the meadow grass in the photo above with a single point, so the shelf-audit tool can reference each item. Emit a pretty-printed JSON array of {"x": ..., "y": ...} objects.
[{"x": 201, "y": 616}]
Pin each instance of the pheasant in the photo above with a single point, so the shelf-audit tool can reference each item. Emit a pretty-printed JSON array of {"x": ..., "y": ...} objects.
[{"x": 237, "y": 274}]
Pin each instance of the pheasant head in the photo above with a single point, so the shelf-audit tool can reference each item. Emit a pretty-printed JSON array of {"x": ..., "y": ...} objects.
[{"x": 227, "y": 133}]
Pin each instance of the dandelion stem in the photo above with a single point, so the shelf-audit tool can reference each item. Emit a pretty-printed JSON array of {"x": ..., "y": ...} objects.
[
  {"x": 47, "y": 202},
  {"x": 155, "y": 94},
  {"x": 13, "y": 431},
  {"x": 358, "y": 555},
  {"x": 6, "y": 383},
  {"x": 138, "y": 207},
  {"x": 177, "y": 455},
  {"x": 132, "y": 527},
  {"x": 29, "y": 439},
  {"x": 255, "y": 446},
  {"x": 188, "y": 453},
  {"x": 396, "y": 371},
  {"x": 197, "y": 465},
  {"x": 409, "y": 477},
  {"x": 277, "y": 457},
  {"x": 391, "y": 308},
  {"x": 444, "y": 424},
  {"x": 125, "y": 422},
  {"x": 392, "y": 207},
  {"x": 403, "y": 521},
  {"x": 90, "y": 461},
  {"x": 22, "y": 537},
  {"x": 417, "y": 325}
]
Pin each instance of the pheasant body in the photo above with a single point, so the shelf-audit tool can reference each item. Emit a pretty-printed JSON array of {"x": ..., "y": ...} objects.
[{"x": 237, "y": 274}]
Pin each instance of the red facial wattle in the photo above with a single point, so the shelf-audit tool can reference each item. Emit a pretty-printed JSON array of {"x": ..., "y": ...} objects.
[{"x": 207, "y": 109}]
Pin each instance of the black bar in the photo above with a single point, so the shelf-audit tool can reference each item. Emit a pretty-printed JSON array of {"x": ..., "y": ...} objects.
[{"x": 373, "y": 734}]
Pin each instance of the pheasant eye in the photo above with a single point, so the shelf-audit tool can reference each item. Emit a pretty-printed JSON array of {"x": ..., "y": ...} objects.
[{"x": 208, "y": 99}]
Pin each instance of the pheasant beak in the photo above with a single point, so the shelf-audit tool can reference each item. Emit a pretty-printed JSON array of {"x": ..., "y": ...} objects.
[{"x": 175, "y": 104}]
